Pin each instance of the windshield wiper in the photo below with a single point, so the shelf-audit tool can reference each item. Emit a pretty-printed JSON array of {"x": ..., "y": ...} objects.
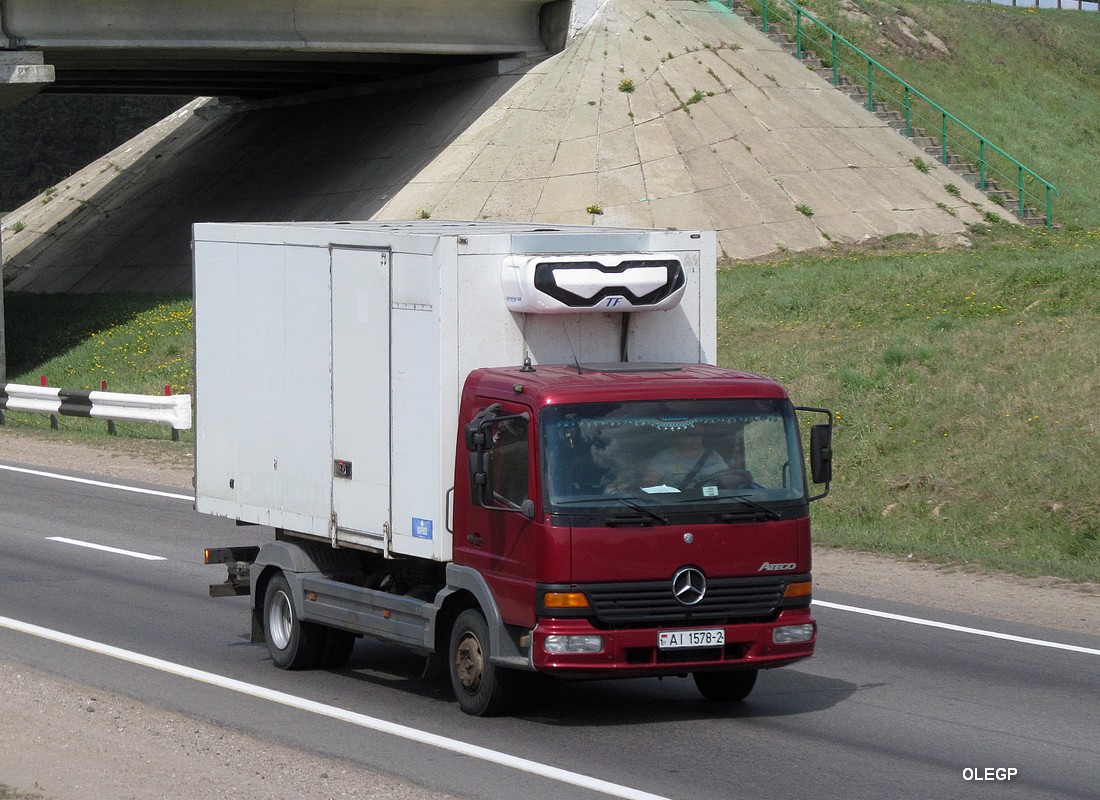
[
  {"x": 770, "y": 513},
  {"x": 626, "y": 501},
  {"x": 757, "y": 508}
]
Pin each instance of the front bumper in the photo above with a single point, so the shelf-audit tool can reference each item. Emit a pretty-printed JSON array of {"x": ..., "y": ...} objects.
[{"x": 634, "y": 652}]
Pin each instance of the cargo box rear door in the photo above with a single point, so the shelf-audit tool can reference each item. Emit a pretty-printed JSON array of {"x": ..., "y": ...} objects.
[{"x": 361, "y": 396}]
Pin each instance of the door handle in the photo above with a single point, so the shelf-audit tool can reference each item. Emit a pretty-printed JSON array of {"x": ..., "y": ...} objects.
[{"x": 474, "y": 539}]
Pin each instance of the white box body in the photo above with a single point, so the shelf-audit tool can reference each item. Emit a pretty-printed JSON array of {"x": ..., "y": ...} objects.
[{"x": 320, "y": 342}]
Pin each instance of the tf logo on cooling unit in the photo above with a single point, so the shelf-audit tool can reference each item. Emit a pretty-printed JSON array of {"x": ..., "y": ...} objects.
[{"x": 689, "y": 585}]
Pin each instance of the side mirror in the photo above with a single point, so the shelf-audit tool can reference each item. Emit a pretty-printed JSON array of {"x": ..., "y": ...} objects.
[
  {"x": 481, "y": 477},
  {"x": 479, "y": 456},
  {"x": 821, "y": 449},
  {"x": 821, "y": 453}
]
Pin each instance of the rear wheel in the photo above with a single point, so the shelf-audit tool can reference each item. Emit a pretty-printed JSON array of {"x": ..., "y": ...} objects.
[
  {"x": 726, "y": 687},
  {"x": 482, "y": 688},
  {"x": 292, "y": 643}
]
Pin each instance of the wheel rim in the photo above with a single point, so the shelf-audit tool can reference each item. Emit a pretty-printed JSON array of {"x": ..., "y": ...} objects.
[
  {"x": 469, "y": 663},
  {"x": 280, "y": 619}
]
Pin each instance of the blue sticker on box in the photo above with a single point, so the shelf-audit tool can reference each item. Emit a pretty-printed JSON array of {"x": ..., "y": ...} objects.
[{"x": 422, "y": 528}]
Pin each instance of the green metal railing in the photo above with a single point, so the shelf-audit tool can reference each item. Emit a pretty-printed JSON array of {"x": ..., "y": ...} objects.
[{"x": 958, "y": 142}]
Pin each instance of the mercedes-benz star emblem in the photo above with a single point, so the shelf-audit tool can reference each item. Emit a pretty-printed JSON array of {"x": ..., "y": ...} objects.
[{"x": 689, "y": 585}]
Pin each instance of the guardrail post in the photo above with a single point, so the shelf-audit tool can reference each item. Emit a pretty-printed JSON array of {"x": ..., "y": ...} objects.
[
  {"x": 981, "y": 164},
  {"x": 836, "y": 67},
  {"x": 1020, "y": 188},
  {"x": 908, "y": 115},
  {"x": 53, "y": 417},
  {"x": 798, "y": 33},
  {"x": 943, "y": 137},
  {"x": 870, "y": 85},
  {"x": 1049, "y": 224},
  {"x": 764, "y": 13},
  {"x": 175, "y": 432},
  {"x": 110, "y": 423}
]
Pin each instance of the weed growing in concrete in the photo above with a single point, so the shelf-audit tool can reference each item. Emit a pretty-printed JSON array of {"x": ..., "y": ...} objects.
[
  {"x": 626, "y": 85},
  {"x": 921, "y": 164},
  {"x": 593, "y": 209},
  {"x": 804, "y": 210}
]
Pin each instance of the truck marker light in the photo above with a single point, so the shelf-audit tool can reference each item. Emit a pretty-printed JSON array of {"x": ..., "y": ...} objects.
[
  {"x": 800, "y": 589},
  {"x": 565, "y": 600},
  {"x": 312, "y": 596}
]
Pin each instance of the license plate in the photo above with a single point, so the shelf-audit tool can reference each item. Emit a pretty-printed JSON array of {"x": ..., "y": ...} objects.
[{"x": 702, "y": 637}]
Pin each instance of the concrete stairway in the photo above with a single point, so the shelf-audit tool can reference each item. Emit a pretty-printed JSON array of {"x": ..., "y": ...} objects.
[{"x": 930, "y": 144}]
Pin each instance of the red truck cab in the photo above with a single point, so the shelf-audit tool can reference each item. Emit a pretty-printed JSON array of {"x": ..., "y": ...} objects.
[{"x": 640, "y": 519}]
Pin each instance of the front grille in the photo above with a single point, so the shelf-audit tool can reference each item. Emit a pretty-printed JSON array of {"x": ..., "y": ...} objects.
[{"x": 651, "y": 603}]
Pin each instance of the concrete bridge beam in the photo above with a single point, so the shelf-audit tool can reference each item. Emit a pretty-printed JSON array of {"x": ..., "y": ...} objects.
[
  {"x": 22, "y": 74},
  {"x": 276, "y": 26}
]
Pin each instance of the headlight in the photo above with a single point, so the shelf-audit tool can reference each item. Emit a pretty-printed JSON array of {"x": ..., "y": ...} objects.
[
  {"x": 791, "y": 634},
  {"x": 588, "y": 643}
]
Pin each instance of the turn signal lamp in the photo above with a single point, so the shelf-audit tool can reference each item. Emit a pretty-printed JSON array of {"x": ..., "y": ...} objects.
[
  {"x": 565, "y": 600},
  {"x": 800, "y": 589}
]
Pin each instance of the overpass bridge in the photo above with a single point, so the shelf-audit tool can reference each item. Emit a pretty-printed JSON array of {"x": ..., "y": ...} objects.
[
  {"x": 657, "y": 113},
  {"x": 256, "y": 48}
]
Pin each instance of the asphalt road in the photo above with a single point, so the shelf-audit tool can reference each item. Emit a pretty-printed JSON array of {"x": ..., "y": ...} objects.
[{"x": 886, "y": 709}]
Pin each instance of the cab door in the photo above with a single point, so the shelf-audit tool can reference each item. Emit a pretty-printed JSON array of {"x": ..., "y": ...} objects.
[{"x": 499, "y": 540}]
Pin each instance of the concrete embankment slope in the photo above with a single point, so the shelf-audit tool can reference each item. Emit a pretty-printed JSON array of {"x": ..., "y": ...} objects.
[{"x": 658, "y": 114}]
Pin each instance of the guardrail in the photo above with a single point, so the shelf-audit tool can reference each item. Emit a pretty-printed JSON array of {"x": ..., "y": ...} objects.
[
  {"x": 171, "y": 410},
  {"x": 1062, "y": 5},
  {"x": 921, "y": 114}
]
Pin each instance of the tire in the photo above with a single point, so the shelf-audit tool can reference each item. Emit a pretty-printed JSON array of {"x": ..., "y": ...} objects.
[
  {"x": 726, "y": 687},
  {"x": 482, "y": 688},
  {"x": 337, "y": 648},
  {"x": 293, "y": 644}
]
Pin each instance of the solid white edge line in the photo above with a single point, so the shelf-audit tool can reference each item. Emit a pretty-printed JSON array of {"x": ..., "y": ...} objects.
[
  {"x": 958, "y": 628},
  {"x": 105, "y": 548},
  {"x": 102, "y": 484},
  {"x": 351, "y": 717}
]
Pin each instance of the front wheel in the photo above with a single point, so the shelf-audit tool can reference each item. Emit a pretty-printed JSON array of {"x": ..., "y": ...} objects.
[
  {"x": 292, "y": 643},
  {"x": 725, "y": 687},
  {"x": 482, "y": 688}
]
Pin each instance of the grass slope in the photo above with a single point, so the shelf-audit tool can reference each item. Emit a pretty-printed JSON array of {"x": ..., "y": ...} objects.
[{"x": 965, "y": 387}]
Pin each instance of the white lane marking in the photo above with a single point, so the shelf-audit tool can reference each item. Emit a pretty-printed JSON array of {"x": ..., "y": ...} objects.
[
  {"x": 102, "y": 484},
  {"x": 361, "y": 720},
  {"x": 959, "y": 628},
  {"x": 106, "y": 549}
]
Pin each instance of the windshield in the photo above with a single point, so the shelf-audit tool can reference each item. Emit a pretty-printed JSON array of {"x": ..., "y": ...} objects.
[{"x": 717, "y": 456}]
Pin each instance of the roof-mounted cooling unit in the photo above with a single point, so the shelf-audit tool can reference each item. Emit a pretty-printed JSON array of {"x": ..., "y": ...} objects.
[{"x": 592, "y": 283}]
